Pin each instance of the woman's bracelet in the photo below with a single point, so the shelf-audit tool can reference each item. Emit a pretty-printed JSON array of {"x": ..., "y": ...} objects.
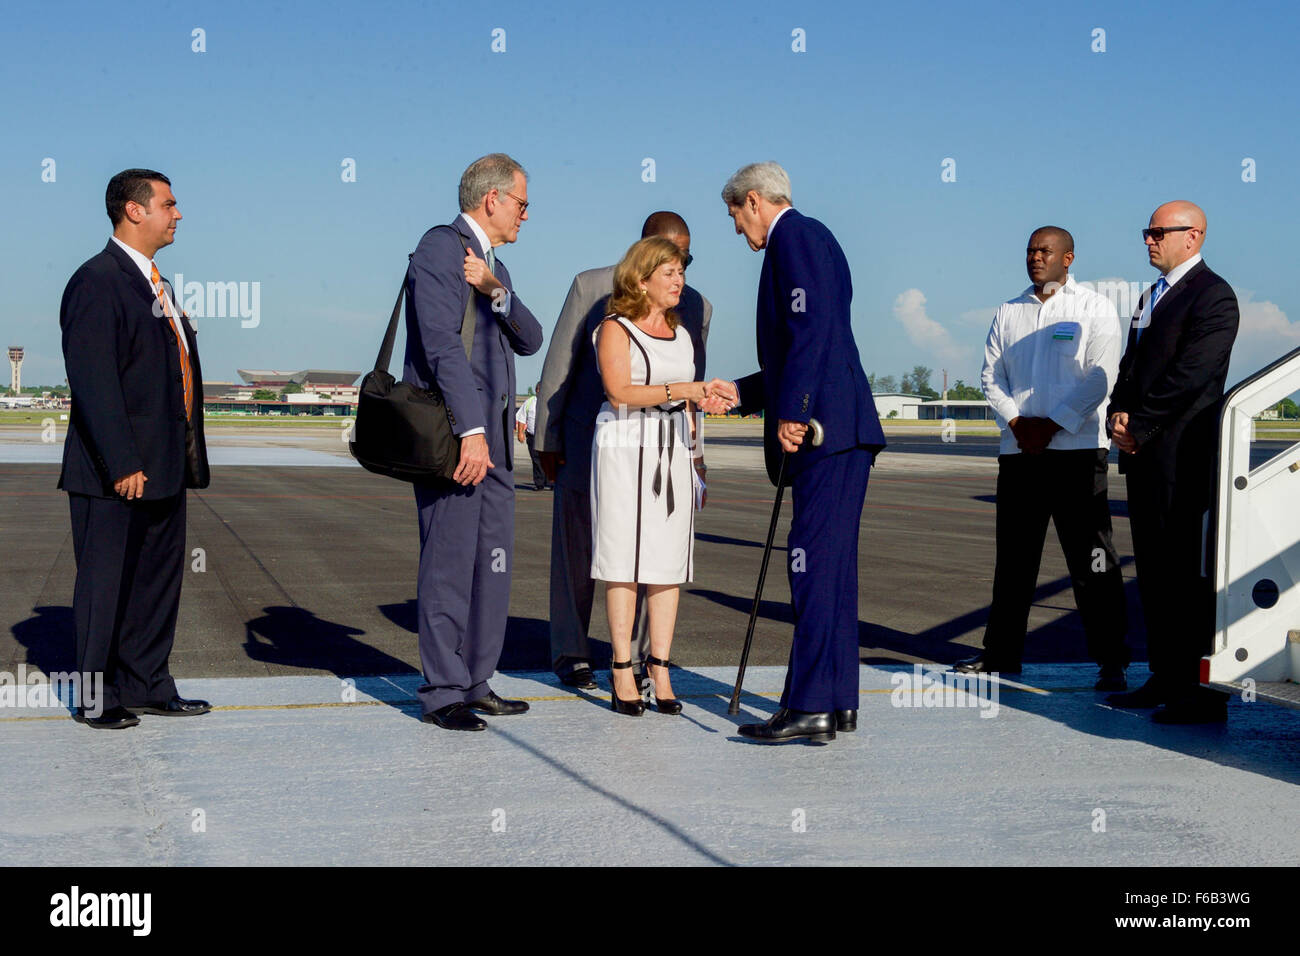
[{"x": 668, "y": 391}]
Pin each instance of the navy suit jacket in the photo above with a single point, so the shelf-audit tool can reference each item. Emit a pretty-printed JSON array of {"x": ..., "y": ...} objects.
[
  {"x": 808, "y": 361},
  {"x": 128, "y": 399},
  {"x": 1171, "y": 381},
  {"x": 480, "y": 390}
]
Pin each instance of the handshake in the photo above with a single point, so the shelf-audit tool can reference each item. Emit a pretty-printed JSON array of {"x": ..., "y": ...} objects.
[{"x": 716, "y": 397}]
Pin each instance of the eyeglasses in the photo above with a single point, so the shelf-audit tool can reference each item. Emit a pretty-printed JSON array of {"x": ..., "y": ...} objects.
[
  {"x": 523, "y": 203},
  {"x": 1158, "y": 232}
]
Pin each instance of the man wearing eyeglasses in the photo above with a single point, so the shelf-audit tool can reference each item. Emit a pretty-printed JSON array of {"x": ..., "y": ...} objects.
[
  {"x": 467, "y": 526},
  {"x": 568, "y": 401},
  {"x": 1163, "y": 418}
]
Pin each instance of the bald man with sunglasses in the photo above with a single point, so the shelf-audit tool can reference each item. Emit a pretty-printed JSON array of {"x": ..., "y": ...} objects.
[{"x": 1163, "y": 417}]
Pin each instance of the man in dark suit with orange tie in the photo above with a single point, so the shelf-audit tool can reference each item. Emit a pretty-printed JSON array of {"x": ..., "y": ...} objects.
[
  {"x": 1163, "y": 417},
  {"x": 134, "y": 444}
]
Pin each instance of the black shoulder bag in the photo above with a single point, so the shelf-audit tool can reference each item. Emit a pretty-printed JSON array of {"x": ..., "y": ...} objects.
[{"x": 402, "y": 430}]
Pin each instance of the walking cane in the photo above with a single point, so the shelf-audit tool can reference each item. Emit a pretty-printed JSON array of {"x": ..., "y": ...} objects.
[{"x": 816, "y": 434}]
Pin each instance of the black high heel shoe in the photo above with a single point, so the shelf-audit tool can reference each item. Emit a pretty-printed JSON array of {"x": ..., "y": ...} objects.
[
  {"x": 632, "y": 708},
  {"x": 666, "y": 705}
]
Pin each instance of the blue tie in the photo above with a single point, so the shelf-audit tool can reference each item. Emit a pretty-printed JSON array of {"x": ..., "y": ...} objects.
[{"x": 1159, "y": 289}]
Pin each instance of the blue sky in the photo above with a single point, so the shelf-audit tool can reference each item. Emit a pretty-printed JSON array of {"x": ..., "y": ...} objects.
[{"x": 1042, "y": 130}]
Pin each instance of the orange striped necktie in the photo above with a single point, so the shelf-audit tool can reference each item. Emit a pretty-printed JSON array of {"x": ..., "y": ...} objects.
[{"x": 187, "y": 376}]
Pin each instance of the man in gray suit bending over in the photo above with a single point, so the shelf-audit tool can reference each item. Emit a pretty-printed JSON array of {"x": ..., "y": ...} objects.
[{"x": 568, "y": 401}]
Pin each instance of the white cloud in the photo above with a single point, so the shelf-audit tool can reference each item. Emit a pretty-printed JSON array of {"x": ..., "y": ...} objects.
[
  {"x": 1265, "y": 335},
  {"x": 928, "y": 335}
]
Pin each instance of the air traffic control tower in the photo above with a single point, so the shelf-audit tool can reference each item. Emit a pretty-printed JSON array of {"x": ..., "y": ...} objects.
[{"x": 16, "y": 369}]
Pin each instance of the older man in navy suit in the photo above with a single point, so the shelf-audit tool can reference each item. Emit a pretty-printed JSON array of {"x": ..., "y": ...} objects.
[
  {"x": 809, "y": 368},
  {"x": 467, "y": 525}
]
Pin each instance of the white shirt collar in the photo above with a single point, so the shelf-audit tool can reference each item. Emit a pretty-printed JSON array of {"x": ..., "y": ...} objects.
[
  {"x": 146, "y": 267},
  {"x": 772, "y": 225},
  {"x": 482, "y": 236},
  {"x": 1180, "y": 270},
  {"x": 142, "y": 261},
  {"x": 1067, "y": 286}
]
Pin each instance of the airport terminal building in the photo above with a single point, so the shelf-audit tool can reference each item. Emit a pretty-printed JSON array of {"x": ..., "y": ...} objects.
[
  {"x": 905, "y": 406},
  {"x": 310, "y": 391}
]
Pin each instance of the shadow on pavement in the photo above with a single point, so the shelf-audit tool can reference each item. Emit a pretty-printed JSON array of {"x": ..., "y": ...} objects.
[
  {"x": 527, "y": 645},
  {"x": 295, "y": 637}
]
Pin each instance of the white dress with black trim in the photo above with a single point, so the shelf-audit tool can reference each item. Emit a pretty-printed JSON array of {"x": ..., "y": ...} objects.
[{"x": 642, "y": 498}]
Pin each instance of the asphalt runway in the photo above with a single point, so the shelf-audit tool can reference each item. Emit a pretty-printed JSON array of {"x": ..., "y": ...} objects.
[
  {"x": 297, "y": 621},
  {"x": 311, "y": 570}
]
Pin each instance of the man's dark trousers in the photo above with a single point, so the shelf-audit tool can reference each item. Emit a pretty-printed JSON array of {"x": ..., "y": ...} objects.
[
  {"x": 572, "y": 587},
  {"x": 466, "y": 555},
  {"x": 130, "y": 562},
  {"x": 1168, "y": 549},
  {"x": 1069, "y": 488},
  {"x": 826, "y": 513},
  {"x": 539, "y": 473}
]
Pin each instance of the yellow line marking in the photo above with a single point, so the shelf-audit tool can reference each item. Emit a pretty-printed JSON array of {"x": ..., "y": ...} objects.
[{"x": 571, "y": 698}]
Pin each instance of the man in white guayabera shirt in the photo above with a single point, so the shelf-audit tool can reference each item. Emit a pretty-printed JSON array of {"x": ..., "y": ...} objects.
[{"x": 1050, "y": 361}]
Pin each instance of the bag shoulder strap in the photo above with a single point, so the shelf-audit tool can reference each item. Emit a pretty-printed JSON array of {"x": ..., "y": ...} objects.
[{"x": 466, "y": 321}]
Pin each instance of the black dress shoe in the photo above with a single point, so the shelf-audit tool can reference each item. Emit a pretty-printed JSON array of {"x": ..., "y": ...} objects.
[
  {"x": 1150, "y": 694},
  {"x": 983, "y": 664},
  {"x": 846, "y": 721},
  {"x": 455, "y": 717},
  {"x": 496, "y": 706},
  {"x": 1197, "y": 707},
  {"x": 579, "y": 677},
  {"x": 1111, "y": 677},
  {"x": 114, "y": 718},
  {"x": 176, "y": 707},
  {"x": 793, "y": 725}
]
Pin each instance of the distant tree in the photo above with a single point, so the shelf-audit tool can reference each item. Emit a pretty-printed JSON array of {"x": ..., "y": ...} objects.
[
  {"x": 885, "y": 383},
  {"x": 920, "y": 378},
  {"x": 1288, "y": 409},
  {"x": 905, "y": 385},
  {"x": 264, "y": 395},
  {"x": 959, "y": 391}
]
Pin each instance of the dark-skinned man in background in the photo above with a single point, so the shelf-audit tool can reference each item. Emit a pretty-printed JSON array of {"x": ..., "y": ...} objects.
[{"x": 1049, "y": 364}]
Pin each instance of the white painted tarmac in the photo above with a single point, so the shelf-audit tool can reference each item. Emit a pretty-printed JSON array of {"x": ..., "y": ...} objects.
[
  {"x": 297, "y": 770},
  {"x": 220, "y": 455}
]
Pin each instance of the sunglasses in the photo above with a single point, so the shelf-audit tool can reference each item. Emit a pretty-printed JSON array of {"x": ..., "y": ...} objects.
[{"x": 1158, "y": 232}]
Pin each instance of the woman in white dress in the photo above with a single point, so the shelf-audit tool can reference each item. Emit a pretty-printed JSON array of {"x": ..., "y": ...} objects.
[{"x": 642, "y": 486}]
